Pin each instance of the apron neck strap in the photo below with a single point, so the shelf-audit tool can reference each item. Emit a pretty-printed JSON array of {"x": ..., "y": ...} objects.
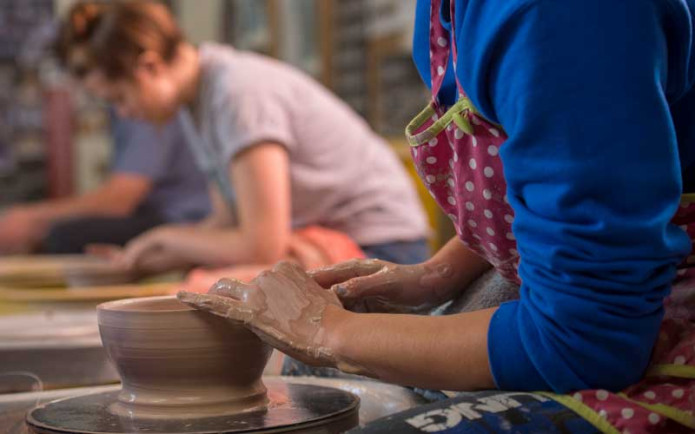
[{"x": 442, "y": 47}]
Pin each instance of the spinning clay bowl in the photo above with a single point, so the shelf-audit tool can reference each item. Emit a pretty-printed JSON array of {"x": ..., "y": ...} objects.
[{"x": 175, "y": 361}]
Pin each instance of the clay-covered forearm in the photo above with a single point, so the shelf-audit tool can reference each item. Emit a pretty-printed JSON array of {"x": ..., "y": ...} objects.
[
  {"x": 289, "y": 310},
  {"x": 434, "y": 352},
  {"x": 465, "y": 265}
]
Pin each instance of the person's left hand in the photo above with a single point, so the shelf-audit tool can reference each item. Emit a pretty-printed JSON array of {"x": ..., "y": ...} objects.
[
  {"x": 373, "y": 285},
  {"x": 284, "y": 307},
  {"x": 201, "y": 279},
  {"x": 151, "y": 252}
]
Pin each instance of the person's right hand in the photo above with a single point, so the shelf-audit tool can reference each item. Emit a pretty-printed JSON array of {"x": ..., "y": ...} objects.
[
  {"x": 200, "y": 280},
  {"x": 372, "y": 285},
  {"x": 283, "y": 306},
  {"x": 20, "y": 232}
]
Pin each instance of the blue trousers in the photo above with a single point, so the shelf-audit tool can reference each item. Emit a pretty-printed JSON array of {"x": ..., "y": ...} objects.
[{"x": 399, "y": 252}]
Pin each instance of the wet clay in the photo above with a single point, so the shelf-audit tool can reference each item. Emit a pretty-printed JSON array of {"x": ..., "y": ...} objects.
[
  {"x": 285, "y": 307},
  {"x": 177, "y": 362}
]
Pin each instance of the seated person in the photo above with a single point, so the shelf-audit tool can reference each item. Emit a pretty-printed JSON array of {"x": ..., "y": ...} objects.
[
  {"x": 153, "y": 181},
  {"x": 287, "y": 162}
]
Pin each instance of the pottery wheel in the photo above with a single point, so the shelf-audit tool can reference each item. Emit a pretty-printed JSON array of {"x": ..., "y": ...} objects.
[{"x": 300, "y": 408}]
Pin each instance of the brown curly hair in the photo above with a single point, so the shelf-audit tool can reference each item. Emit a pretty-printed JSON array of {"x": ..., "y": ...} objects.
[{"x": 111, "y": 35}]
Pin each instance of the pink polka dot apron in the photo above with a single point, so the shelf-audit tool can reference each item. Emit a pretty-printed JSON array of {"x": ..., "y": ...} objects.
[{"x": 456, "y": 153}]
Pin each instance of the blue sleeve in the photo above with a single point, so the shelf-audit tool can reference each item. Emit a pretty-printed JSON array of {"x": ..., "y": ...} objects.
[
  {"x": 593, "y": 176},
  {"x": 140, "y": 149}
]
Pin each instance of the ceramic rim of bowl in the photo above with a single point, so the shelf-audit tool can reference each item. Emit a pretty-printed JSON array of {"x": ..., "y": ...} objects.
[{"x": 140, "y": 305}]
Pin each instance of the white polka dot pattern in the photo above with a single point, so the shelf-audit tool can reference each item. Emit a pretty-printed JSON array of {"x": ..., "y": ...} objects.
[
  {"x": 469, "y": 185},
  {"x": 466, "y": 179}
]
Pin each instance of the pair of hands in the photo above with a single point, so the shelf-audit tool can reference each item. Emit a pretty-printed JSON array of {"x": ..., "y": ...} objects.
[{"x": 297, "y": 312}]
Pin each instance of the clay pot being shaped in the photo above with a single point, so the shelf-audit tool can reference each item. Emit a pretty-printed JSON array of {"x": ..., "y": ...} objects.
[{"x": 177, "y": 362}]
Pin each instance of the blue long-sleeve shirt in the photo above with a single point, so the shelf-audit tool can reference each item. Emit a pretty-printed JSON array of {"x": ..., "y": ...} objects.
[{"x": 597, "y": 99}]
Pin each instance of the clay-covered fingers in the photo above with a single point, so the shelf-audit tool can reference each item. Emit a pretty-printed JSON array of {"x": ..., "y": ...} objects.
[
  {"x": 334, "y": 274},
  {"x": 353, "y": 292},
  {"x": 270, "y": 281},
  {"x": 225, "y": 307},
  {"x": 294, "y": 272},
  {"x": 283, "y": 306},
  {"x": 297, "y": 275},
  {"x": 290, "y": 269},
  {"x": 373, "y": 293},
  {"x": 284, "y": 274},
  {"x": 231, "y": 288}
]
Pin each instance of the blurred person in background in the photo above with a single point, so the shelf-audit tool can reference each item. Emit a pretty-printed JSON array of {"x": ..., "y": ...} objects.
[
  {"x": 153, "y": 181},
  {"x": 293, "y": 172}
]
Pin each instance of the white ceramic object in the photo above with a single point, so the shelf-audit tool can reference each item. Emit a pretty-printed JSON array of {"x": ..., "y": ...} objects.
[{"x": 175, "y": 361}]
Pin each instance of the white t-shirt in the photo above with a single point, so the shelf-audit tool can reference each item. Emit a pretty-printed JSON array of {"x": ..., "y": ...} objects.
[{"x": 343, "y": 176}]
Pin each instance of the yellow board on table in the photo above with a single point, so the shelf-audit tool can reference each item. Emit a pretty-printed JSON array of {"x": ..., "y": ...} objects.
[
  {"x": 16, "y": 300},
  {"x": 42, "y": 271}
]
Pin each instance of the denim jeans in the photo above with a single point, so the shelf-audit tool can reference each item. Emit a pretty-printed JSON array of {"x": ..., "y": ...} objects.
[{"x": 399, "y": 252}]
